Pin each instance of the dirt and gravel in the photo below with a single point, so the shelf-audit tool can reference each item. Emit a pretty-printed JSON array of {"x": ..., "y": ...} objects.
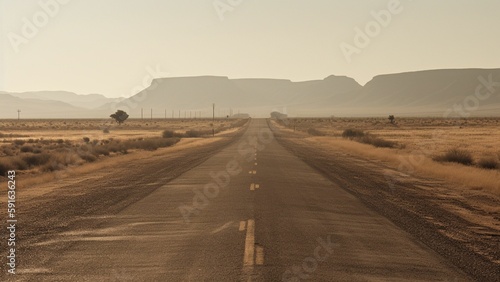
[
  {"x": 74, "y": 201},
  {"x": 462, "y": 226}
]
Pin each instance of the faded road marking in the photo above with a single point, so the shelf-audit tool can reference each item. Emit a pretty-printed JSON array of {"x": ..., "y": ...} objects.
[
  {"x": 248, "y": 257},
  {"x": 243, "y": 225},
  {"x": 222, "y": 227},
  {"x": 259, "y": 255}
]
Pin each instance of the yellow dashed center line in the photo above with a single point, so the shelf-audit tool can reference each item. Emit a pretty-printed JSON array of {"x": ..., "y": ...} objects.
[
  {"x": 243, "y": 225},
  {"x": 248, "y": 257},
  {"x": 259, "y": 255},
  {"x": 254, "y": 186},
  {"x": 254, "y": 254}
]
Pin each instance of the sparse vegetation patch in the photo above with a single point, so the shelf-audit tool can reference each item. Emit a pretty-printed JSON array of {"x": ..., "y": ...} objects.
[
  {"x": 366, "y": 138},
  {"x": 353, "y": 133},
  {"x": 43, "y": 150},
  {"x": 456, "y": 156},
  {"x": 314, "y": 132},
  {"x": 489, "y": 163},
  {"x": 377, "y": 141}
]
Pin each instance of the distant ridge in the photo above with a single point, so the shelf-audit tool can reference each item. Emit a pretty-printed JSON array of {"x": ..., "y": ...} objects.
[
  {"x": 417, "y": 93},
  {"x": 89, "y": 101}
]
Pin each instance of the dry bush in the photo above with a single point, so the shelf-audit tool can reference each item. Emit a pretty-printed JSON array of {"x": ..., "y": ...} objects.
[
  {"x": 115, "y": 147},
  {"x": 171, "y": 134},
  {"x": 101, "y": 150},
  {"x": 197, "y": 133},
  {"x": 377, "y": 141},
  {"x": 5, "y": 166},
  {"x": 314, "y": 132},
  {"x": 19, "y": 142},
  {"x": 8, "y": 151},
  {"x": 352, "y": 133},
  {"x": 18, "y": 163},
  {"x": 150, "y": 144},
  {"x": 193, "y": 133},
  {"x": 26, "y": 149},
  {"x": 62, "y": 159},
  {"x": 456, "y": 156},
  {"x": 36, "y": 159},
  {"x": 12, "y": 163},
  {"x": 488, "y": 163},
  {"x": 168, "y": 133},
  {"x": 88, "y": 157},
  {"x": 366, "y": 138}
]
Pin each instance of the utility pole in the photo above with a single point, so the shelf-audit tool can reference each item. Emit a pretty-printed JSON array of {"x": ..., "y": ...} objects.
[
  {"x": 172, "y": 114},
  {"x": 165, "y": 113},
  {"x": 142, "y": 113},
  {"x": 151, "y": 113},
  {"x": 213, "y": 119},
  {"x": 18, "y": 114},
  {"x": 179, "y": 113}
]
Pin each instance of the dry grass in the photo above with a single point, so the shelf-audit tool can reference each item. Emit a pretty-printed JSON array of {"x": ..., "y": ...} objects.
[
  {"x": 430, "y": 136},
  {"x": 456, "y": 156},
  {"x": 409, "y": 163},
  {"x": 100, "y": 166},
  {"x": 420, "y": 142},
  {"x": 366, "y": 138},
  {"x": 315, "y": 132},
  {"x": 490, "y": 162},
  {"x": 43, "y": 151},
  {"x": 76, "y": 129},
  {"x": 353, "y": 133},
  {"x": 193, "y": 133}
]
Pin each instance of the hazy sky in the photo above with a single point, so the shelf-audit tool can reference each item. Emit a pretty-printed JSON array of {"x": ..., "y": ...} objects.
[{"x": 108, "y": 46}]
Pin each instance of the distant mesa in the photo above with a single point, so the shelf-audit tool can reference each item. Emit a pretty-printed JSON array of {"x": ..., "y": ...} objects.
[{"x": 420, "y": 93}]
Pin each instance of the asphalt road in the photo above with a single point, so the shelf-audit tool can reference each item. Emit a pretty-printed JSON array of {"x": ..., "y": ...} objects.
[{"x": 243, "y": 210}]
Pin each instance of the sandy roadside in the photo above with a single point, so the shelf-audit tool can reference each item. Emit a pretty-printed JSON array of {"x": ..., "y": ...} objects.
[{"x": 457, "y": 220}]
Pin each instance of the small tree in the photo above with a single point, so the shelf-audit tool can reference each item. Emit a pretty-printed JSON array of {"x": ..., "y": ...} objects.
[
  {"x": 391, "y": 118},
  {"x": 120, "y": 116}
]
